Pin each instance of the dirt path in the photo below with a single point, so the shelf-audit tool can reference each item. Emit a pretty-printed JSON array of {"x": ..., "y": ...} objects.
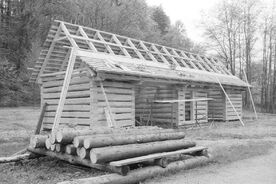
[{"x": 255, "y": 170}]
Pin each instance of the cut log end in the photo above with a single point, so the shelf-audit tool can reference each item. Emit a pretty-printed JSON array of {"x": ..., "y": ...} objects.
[
  {"x": 38, "y": 141},
  {"x": 53, "y": 147},
  {"x": 93, "y": 157},
  {"x": 162, "y": 162},
  {"x": 83, "y": 153},
  {"x": 78, "y": 142},
  {"x": 86, "y": 143},
  {"x": 59, "y": 136},
  {"x": 52, "y": 138},
  {"x": 48, "y": 144}
]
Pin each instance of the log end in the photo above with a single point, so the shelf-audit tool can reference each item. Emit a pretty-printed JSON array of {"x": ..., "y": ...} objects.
[
  {"x": 59, "y": 136},
  {"x": 86, "y": 143},
  {"x": 48, "y": 144},
  {"x": 93, "y": 157},
  {"x": 83, "y": 153},
  {"x": 53, "y": 147}
]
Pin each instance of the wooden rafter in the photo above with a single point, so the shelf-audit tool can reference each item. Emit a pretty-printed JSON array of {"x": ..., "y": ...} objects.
[
  {"x": 51, "y": 48},
  {"x": 100, "y": 41}
]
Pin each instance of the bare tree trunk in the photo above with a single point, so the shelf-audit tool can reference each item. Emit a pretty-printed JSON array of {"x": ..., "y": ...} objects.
[
  {"x": 269, "y": 79},
  {"x": 264, "y": 75},
  {"x": 274, "y": 80}
]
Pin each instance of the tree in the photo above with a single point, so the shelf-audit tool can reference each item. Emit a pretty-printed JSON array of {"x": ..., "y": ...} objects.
[
  {"x": 162, "y": 20},
  {"x": 222, "y": 28}
]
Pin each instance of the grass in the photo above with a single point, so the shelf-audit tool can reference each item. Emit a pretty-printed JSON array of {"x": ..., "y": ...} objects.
[
  {"x": 227, "y": 142},
  {"x": 232, "y": 153}
]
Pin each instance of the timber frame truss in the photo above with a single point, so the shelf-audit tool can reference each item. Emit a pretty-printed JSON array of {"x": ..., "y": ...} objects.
[{"x": 63, "y": 36}]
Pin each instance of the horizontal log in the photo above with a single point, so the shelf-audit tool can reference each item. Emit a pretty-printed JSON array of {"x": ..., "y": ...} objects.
[
  {"x": 66, "y": 136},
  {"x": 139, "y": 175},
  {"x": 156, "y": 156},
  {"x": 78, "y": 161},
  {"x": 112, "y": 140},
  {"x": 78, "y": 141},
  {"x": 106, "y": 154}
]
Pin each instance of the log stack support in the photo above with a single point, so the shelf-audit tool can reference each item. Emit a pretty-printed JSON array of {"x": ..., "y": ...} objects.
[{"x": 117, "y": 150}]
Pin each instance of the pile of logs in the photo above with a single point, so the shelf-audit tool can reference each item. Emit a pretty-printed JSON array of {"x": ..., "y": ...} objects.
[{"x": 113, "y": 149}]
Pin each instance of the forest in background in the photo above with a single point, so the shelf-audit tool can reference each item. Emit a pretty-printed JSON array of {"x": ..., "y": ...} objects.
[
  {"x": 25, "y": 24},
  {"x": 233, "y": 29}
]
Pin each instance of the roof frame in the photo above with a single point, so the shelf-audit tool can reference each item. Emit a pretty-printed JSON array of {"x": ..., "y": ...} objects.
[{"x": 97, "y": 41}]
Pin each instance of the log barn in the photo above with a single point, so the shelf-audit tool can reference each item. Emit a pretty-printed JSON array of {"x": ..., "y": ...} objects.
[{"x": 91, "y": 78}]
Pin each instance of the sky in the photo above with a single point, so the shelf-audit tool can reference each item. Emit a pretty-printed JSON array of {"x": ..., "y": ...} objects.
[{"x": 188, "y": 11}]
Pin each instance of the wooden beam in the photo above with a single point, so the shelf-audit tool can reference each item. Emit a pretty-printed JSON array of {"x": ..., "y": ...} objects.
[
  {"x": 62, "y": 67},
  {"x": 109, "y": 115},
  {"x": 251, "y": 97},
  {"x": 83, "y": 33},
  {"x": 186, "y": 100},
  {"x": 51, "y": 48},
  {"x": 230, "y": 102},
  {"x": 40, "y": 120},
  {"x": 69, "y": 36},
  {"x": 106, "y": 45},
  {"x": 64, "y": 90},
  {"x": 155, "y": 156},
  {"x": 123, "y": 49}
]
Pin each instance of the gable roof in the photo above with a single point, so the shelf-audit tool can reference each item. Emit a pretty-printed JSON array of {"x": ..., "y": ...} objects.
[{"x": 115, "y": 49}]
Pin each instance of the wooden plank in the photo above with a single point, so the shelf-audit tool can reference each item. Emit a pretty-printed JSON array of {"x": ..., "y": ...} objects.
[
  {"x": 74, "y": 80},
  {"x": 72, "y": 94},
  {"x": 74, "y": 121},
  {"x": 69, "y": 114},
  {"x": 65, "y": 87},
  {"x": 155, "y": 156},
  {"x": 108, "y": 111},
  {"x": 72, "y": 87},
  {"x": 230, "y": 102},
  {"x": 69, "y": 107},
  {"x": 74, "y": 101},
  {"x": 185, "y": 100}
]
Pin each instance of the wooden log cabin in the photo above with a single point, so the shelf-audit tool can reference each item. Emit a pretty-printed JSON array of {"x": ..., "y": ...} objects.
[{"x": 91, "y": 78}]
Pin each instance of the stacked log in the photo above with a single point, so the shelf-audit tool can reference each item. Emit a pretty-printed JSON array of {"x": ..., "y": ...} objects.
[{"x": 95, "y": 148}]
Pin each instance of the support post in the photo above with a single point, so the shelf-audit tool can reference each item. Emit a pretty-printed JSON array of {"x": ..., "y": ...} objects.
[
  {"x": 108, "y": 112},
  {"x": 251, "y": 97},
  {"x": 64, "y": 90},
  {"x": 41, "y": 116},
  {"x": 230, "y": 102}
]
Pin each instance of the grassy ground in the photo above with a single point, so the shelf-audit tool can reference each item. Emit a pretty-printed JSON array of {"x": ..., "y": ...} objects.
[{"x": 227, "y": 142}]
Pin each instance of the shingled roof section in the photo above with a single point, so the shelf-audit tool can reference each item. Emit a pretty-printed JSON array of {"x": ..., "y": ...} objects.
[{"x": 62, "y": 36}]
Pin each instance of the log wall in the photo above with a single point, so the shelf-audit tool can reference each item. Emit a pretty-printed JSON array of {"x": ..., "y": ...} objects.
[
  {"x": 161, "y": 112},
  {"x": 217, "y": 105},
  {"x": 180, "y": 113},
  {"x": 122, "y": 102},
  {"x": 76, "y": 110},
  {"x": 236, "y": 99},
  {"x": 220, "y": 108},
  {"x": 202, "y": 106},
  {"x": 85, "y": 102}
]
